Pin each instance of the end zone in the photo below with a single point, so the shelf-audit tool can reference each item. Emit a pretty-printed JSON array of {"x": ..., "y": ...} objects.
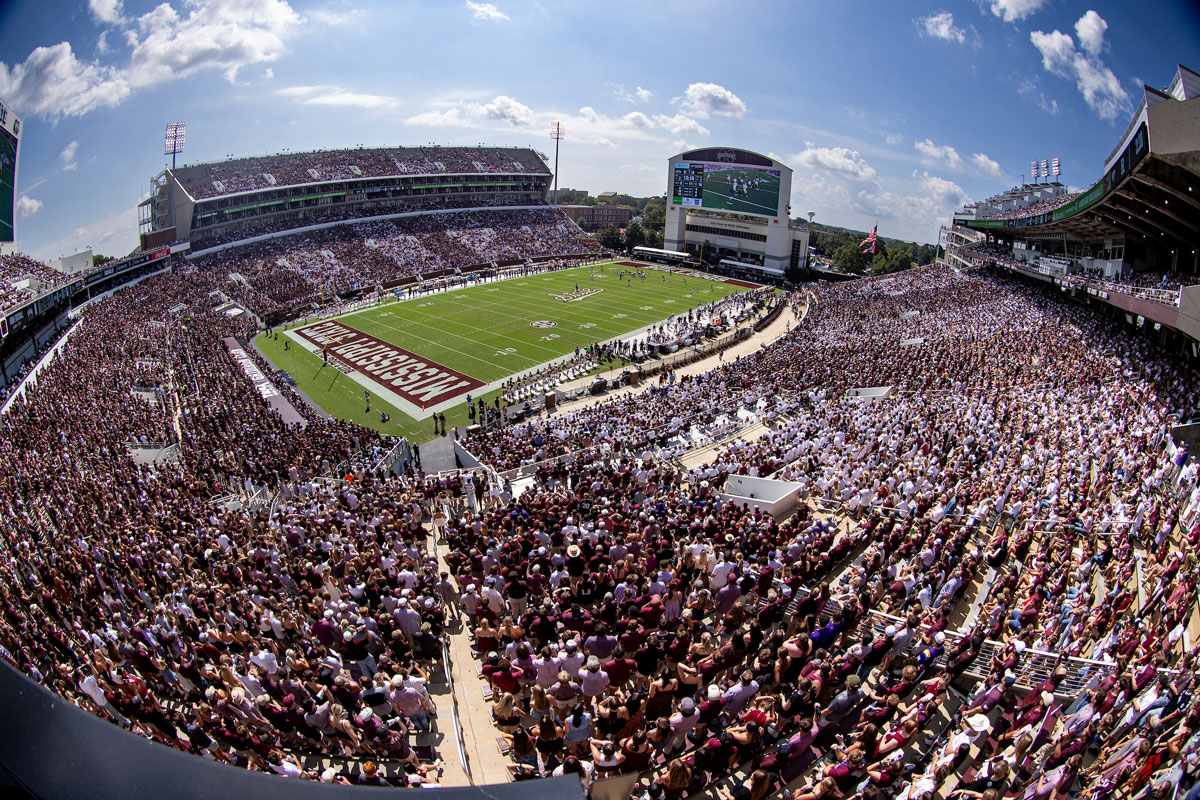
[{"x": 413, "y": 384}]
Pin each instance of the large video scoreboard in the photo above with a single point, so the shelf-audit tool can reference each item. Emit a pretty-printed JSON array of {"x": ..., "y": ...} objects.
[
  {"x": 10, "y": 136},
  {"x": 732, "y": 185}
]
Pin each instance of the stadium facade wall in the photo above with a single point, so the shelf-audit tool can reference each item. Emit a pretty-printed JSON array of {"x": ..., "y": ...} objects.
[
  {"x": 1173, "y": 128},
  {"x": 1188, "y": 321}
]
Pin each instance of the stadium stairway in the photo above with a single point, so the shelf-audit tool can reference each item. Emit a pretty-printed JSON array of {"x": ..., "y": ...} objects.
[{"x": 437, "y": 455}]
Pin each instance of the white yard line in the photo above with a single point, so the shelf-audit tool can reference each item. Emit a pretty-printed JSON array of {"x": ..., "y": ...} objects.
[
  {"x": 490, "y": 364},
  {"x": 457, "y": 336}
]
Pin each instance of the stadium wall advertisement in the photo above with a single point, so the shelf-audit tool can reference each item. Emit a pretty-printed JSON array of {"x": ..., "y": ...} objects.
[
  {"x": 418, "y": 381},
  {"x": 1137, "y": 150}
]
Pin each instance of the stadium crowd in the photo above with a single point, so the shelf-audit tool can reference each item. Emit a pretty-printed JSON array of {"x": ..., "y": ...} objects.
[
  {"x": 203, "y": 181},
  {"x": 131, "y": 588},
  {"x": 292, "y": 272},
  {"x": 1028, "y": 208},
  {"x": 22, "y": 278},
  {"x": 1012, "y": 501},
  {"x": 1012, "y": 497},
  {"x": 207, "y": 237},
  {"x": 1157, "y": 285}
]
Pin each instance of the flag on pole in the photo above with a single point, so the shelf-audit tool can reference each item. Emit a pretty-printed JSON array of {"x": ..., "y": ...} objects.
[{"x": 868, "y": 244}]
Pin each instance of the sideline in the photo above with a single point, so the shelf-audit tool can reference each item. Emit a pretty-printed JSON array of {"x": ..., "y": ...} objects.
[{"x": 764, "y": 338}]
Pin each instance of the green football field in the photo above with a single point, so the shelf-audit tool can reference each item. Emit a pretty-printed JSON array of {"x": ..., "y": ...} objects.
[
  {"x": 761, "y": 196},
  {"x": 485, "y": 333}
]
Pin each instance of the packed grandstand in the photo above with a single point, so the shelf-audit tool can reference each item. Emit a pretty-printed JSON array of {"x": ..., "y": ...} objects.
[{"x": 984, "y": 585}]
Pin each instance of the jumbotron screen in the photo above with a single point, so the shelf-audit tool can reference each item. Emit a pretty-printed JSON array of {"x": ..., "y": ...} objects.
[
  {"x": 8, "y": 184},
  {"x": 726, "y": 187}
]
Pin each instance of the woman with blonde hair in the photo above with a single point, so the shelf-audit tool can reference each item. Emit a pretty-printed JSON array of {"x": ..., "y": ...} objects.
[
  {"x": 539, "y": 701},
  {"x": 507, "y": 715}
]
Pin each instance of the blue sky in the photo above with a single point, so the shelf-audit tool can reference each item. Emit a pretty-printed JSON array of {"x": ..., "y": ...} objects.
[{"x": 888, "y": 112}]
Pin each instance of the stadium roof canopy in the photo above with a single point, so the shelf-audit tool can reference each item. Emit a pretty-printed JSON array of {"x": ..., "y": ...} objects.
[{"x": 1151, "y": 185}]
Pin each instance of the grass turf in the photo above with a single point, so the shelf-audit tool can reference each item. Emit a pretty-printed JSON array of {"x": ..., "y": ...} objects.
[
  {"x": 484, "y": 331},
  {"x": 719, "y": 193}
]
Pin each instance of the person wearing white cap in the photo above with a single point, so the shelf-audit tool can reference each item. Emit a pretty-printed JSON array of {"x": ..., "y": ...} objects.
[
  {"x": 407, "y": 619},
  {"x": 470, "y": 601},
  {"x": 973, "y": 727}
]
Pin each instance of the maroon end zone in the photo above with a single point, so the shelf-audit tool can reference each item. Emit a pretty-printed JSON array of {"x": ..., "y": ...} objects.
[
  {"x": 418, "y": 380},
  {"x": 743, "y": 284}
]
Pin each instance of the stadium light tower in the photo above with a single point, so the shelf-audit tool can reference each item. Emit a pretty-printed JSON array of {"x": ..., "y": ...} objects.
[
  {"x": 176, "y": 137},
  {"x": 557, "y": 132}
]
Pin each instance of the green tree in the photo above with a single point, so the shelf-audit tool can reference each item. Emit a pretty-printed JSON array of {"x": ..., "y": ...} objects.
[
  {"x": 610, "y": 238},
  {"x": 849, "y": 258},
  {"x": 575, "y": 197},
  {"x": 891, "y": 261},
  {"x": 654, "y": 215},
  {"x": 635, "y": 236}
]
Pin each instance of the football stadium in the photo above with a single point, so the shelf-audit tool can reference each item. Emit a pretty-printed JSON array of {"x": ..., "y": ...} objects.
[
  {"x": 369, "y": 467},
  {"x": 496, "y": 337}
]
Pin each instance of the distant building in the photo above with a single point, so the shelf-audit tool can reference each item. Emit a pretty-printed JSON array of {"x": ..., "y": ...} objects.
[
  {"x": 606, "y": 197},
  {"x": 598, "y": 216}
]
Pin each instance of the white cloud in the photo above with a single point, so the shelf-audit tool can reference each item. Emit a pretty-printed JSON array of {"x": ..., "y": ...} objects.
[
  {"x": 987, "y": 165},
  {"x": 268, "y": 74},
  {"x": 585, "y": 125},
  {"x": 709, "y": 99},
  {"x": 505, "y": 109},
  {"x": 121, "y": 228},
  {"x": 833, "y": 159},
  {"x": 680, "y": 125},
  {"x": 1090, "y": 29},
  {"x": 1014, "y": 10},
  {"x": 27, "y": 206},
  {"x": 637, "y": 119},
  {"x": 106, "y": 12},
  {"x": 225, "y": 35},
  {"x": 917, "y": 215},
  {"x": 947, "y": 193},
  {"x": 102, "y": 43},
  {"x": 218, "y": 34},
  {"x": 337, "y": 96},
  {"x": 941, "y": 26},
  {"x": 1030, "y": 89},
  {"x": 486, "y": 12},
  {"x": 1099, "y": 86},
  {"x": 66, "y": 159},
  {"x": 445, "y": 118},
  {"x": 638, "y": 95},
  {"x": 932, "y": 154},
  {"x": 502, "y": 109},
  {"x": 52, "y": 83},
  {"x": 326, "y": 18},
  {"x": 893, "y": 138},
  {"x": 1057, "y": 49}
]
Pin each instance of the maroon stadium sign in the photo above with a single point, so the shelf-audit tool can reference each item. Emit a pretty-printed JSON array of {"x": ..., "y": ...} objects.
[{"x": 416, "y": 379}]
